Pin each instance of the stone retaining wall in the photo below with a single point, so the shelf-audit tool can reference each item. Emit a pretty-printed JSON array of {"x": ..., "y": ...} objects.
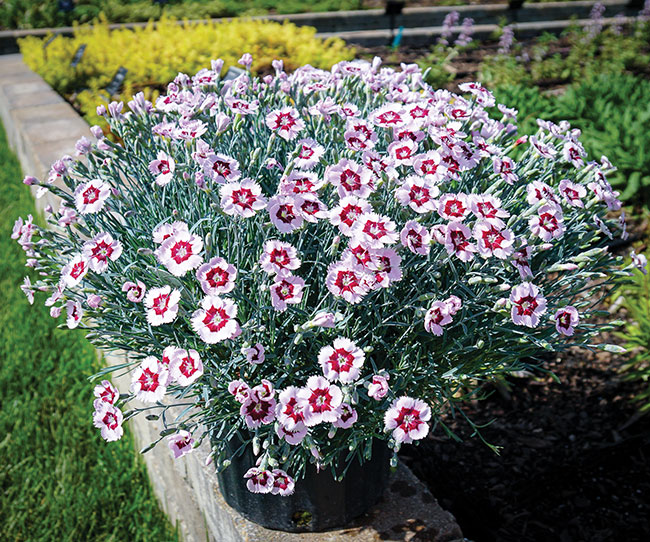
[{"x": 42, "y": 127}]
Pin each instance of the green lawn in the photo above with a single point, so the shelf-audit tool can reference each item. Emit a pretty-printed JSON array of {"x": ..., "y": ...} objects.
[{"x": 59, "y": 480}]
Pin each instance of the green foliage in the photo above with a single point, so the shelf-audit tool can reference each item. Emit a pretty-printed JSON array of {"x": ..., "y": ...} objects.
[
  {"x": 438, "y": 65},
  {"x": 613, "y": 112},
  {"x": 59, "y": 481},
  {"x": 636, "y": 300},
  {"x": 35, "y": 14}
]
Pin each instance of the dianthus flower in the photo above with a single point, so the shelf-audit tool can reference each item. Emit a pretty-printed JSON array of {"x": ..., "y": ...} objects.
[
  {"x": 149, "y": 381},
  {"x": 90, "y": 197},
  {"x": 407, "y": 419},
  {"x": 279, "y": 257},
  {"x": 243, "y": 198},
  {"x": 216, "y": 320},
  {"x": 181, "y": 443},
  {"x": 320, "y": 401},
  {"x": 527, "y": 305},
  {"x": 163, "y": 168},
  {"x": 216, "y": 276},
  {"x": 342, "y": 361},
  {"x": 566, "y": 319},
  {"x": 185, "y": 366}
]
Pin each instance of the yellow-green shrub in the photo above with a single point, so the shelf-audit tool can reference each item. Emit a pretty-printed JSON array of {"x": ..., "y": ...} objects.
[{"x": 155, "y": 54}]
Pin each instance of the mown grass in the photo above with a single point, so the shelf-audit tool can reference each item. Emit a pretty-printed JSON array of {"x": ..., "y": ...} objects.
[{"x": 59, "y": 481}]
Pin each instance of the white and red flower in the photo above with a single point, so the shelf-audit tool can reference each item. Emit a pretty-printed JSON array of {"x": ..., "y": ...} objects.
[
  {"x": 344, "y": 280},
  {"x": 389, "y": 116},
  {"x": 285, "y": 213},
  {"x": 283, "y": 484},
  {"x": 453, "y": 207},
  {"x": 418, "y": 194},
  {"x": 259, "y": 480},
  {"x": 221, "y": 168},
  {"x": 385, "y": 265},
  {"x": 566, "y": 319},
  {"x": 437, "y": 317},
  {"x": 309, "y": 154},
  {"x": 257, "y": 411},
  {"x": 457, "y": 241},
  {"x": 492, "y": 240},
  {"x": 185, "y": 366},
  {"x": 216, "y": 276},
  {"x": 375, "y": 231},
  {"x": 487, "y": 207},
  {"x": 216, "y": 320},
  {"x": 105, "y": 393},
  {"x": 240, "y": 390},
  {"x": 342, "y": 361},
  {"x": 429, "y": 165},
  {"x": 350, "y": 178},
  {"x": 180, "y": 253},
  {"x": 292, "y": 436},
  {"x": 285, "y": 122},
  {"x": 407, "y": 419},
  {"x": 527, "y": 305},
  {"x": 286, "y": 290},
  {"x": 75, "y": 270},
  {"x": 149, "y": 381},
  {"x": 279, "y": 257},
  {"x": 289, "y": 411},
  {"x": 320, "y": 401},
  {"x": 403, "y": 151},
  {"x": 135, "y": 291},
  {"x": 90, "y": 197},
  {"x": 347, "y": 417},
  {"x": 416, "y": 238},
  {"x": 166, "y": 230},
  {"x": 572, "y": 192},
  {"x": 162, "y": 305},
  {"x": 345, "y": 214},
  {"x": 100, "y": 250},
  {"x": 378, "y": 387},
  {"x": 242, "y": 198},
  {"x": 74, "y": 313},
  {"x": 181, "y": 443},
  {"x": 109, "y": 419},
  {"x": 548, "y": 224},
  {"x": 163, "y": 168},
  {"x": 640, "y": 262}
]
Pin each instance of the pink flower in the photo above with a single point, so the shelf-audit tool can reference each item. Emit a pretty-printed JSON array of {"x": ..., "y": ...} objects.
[
  {"x": 429, "y": 166},
  {"x": 548, "y": 223},
  {"x": 572, "y": 192},
  {"x": 286, "y": 290},
  {"x": 134, "y": 291},
  {"x": 493, "y": 241},
  {"x": 163, "y": 168},
  {"x": 378, "y": 388},
  {"x": 164, "y": 231},
  {"x": 258, "y": 411},
  {"x": 74, "y": 271},
  {"x": 574, "y": 153},
  {"x": 454, "y": 304},
  {"x": 216, "y": 320},
  {"x": 347, "y": 417},
  {"x": 403, "y": 151},
  {"x": 527, "y": 304},
  {"x": 243, "y": 198},
  {"x": 521, "y": 262},
  {"x": 407, "y": 418},
  {"x": 436, "y": 317},
  {"x": 100, "y": 250},
  {"x": 105, "y": 393},
  {"x": 342, "y": 361},
  {"x": 640, "y": 262},
  {"x": 457, "y": 241},
  {"x": 385, "y": 265},
  {"x": 345, "y": 214},
  {"x": 90, "y": 197},
  {"x": 350, "y": 179},
  {"x": 259, "y": 481},
  {"x": 255, "y": 354},
  {"x": 279, "y": 257},
  {"x": 185, "y": 366},
  {"x": 242, "y": 107},
  {"x": 149, "y": 382},
  {"x": 323, "y": 319},
  {"x": 292, "y": 436},
  {"x": 289, "y": 411},
  {"x": 93, "y": 301},
  {"x": 27, "y": 289},
  {"x": 217, "y": 276},
  {"x": 300, "y": 183},
  {"x": 566, "y": 319},
  {"x": 388, "y": 116},
  {"x": 537, "y": 191},
  {"x": 286, "y": 122},
  {"x": 375, "y": 231},
  {"x": 285, "y": 213},
  {"x": 283, "y": 484},
  {"x": 221, "y": 168},
  {"x": 311, "y": 208},
  {"x": 109, "y": 419},
  {"x": 453, "y": 207},
  {"x": 418, "y": 193},
  {"x": 416, "y": 238},
  {"x": 74, "y": 312},
  {"x": 240, "y": 390},
  {"x": 320, "y": 401},
  {"x": 309, "y": 154},
  {"x": 504, "y": 166},
  {"x": 346, "y": 282},
  {"x": 246, "y": 60},
  {"x": 162, "y": 305},
  {"x": 181, "y": 443}
]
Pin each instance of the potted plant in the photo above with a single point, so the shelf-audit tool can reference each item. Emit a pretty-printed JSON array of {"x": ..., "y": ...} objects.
[{"x": 314, "y": 267}]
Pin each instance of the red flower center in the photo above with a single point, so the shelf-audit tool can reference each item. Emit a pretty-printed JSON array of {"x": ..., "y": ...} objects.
[
  {"x": 215, "y": 319},
  {"x": 216, "y": 277},
  {"x": 90, "y": 195}
]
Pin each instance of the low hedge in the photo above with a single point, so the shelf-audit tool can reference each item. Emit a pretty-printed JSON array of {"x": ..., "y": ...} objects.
[{"x": 155, "y": 54}]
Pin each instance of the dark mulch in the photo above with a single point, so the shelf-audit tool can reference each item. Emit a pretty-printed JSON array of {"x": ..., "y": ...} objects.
[{"x": 575, "y": 462}]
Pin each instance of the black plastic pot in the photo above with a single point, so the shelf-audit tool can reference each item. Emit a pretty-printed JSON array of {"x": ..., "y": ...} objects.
[{"x": 318, "y": 503}]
